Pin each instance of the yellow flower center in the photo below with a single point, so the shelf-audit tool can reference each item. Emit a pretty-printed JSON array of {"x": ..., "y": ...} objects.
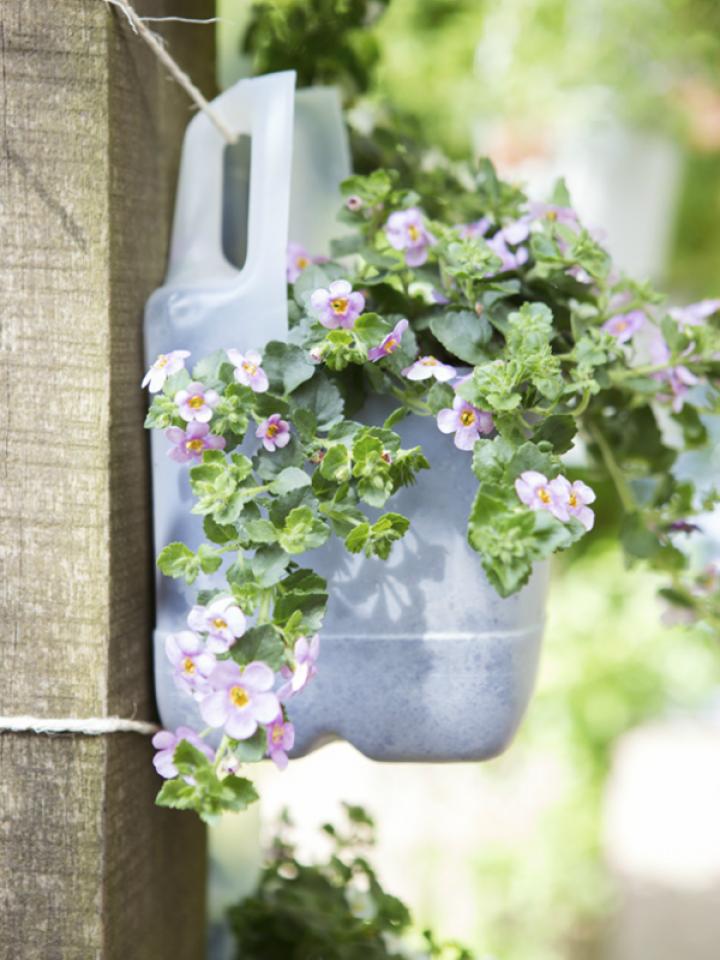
[
  {"x": 621, "y": 325},
  {"x": 544, "y": 495},
  {"x": 551, "y": 215},
  {"x": 249, "y": 367},
  {"x": 196, "y": 402},
  {"x": 414, "y": 233},
  {"x": 195, "y": 445},
  {"x": 339, "y": 304},
  {"x": 391, "y": 345},
  {"x": 429, "y": 362},
  {"x": 572, "y": 500},
  {"x": 219, "y": 623},
  {"x": 188, "y": 666},
  {"x": 277, "y": 734},
  {"x": 162, "y": 361},
  {"x": 302, "y": 262},
  {"x": 467, "y": 418},
  {"x": 239, "y": 696},
  {"x": 271, "y": 430}
]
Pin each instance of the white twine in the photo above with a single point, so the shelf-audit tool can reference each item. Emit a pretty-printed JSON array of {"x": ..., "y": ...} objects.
[
  {"x": 90, "y": 726},
  {"x": 178, "y": 74}
]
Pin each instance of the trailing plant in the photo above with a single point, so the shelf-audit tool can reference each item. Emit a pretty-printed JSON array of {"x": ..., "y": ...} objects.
[
  {"x": 511, "y": 331},
  {"x": 336, "y": 910}
]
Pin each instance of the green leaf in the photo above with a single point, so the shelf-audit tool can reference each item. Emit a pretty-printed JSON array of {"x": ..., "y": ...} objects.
[
  {"x": 370, "y": 329},
  {"x": 177, "y": 795},
  {"x": 320, "y": 396},
  {"x": 269, "y": 564},
  {"x": 218, "y": 532},
  {"x": 286, "y": 366},
  {"x": 291, "y": 478},
  {"x": 335, "y": 465},
  {"x": 261, "y": 531},
  {"x": 559, "y": 431},
  {"x": 178, "y": 561},
  {"x": 440, "y": 397},
  {"x": 464, "y": 334},
  {"x": 302, "y": 531},
  {"x": 264, "y": 643},
  {"x": 637, "y": 539},
  {"x": 253, "y": 749}
]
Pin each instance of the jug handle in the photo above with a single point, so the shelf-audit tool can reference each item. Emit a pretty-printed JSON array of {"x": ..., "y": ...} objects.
[{"x": 261, "y": 107}]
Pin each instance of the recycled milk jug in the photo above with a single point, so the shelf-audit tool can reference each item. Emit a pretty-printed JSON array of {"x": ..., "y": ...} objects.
[{"x": 420, "y": 659}]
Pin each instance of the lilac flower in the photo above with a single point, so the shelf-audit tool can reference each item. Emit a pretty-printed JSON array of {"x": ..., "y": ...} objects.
[
  {"x": 166, "y": 743},
  {"x": 165, "y": 366},
  {"x": 297, "y": 260},
  {"x": 579, "y": 273},
  {"x": 426, "y": 367},
  {"x": 537, "y": 492},
  {"x": 623, "y": 326},
  {"x": 406, "y": 230},
  {"x": 354, "y": 203},
  {"x": 192, "y": 663},
  {"x": 306, "y": 653},
  {"x": 678, "y": 378},
  {"x": 248, "y": 371},
  {"x": 241, "y": 699},
  {"x": 554, "y": 213},
  {"x": 695, "y": 313},
  {"x": 511, "y": 235},
  {"x": 478, "y": 228},
  {"x": 196, "y": 402},
  {"x": 274, "y": 433},
  {"x": 466, "y": 422},
  {"x": 280, "y": 739},
  {"x": 338, "y": 305},
  {"x": 222, "y": 620},
  {"x": 190, "y": 444},
  {"x": 390, "y": 343},
  {"x": 575, "y": 497},
  {"x": 684, "y": 526}
]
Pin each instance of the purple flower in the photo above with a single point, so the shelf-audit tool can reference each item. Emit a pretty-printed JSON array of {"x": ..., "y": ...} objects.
[
  {"x": 222, "y": 620},
  {"x": 426, "y": 367},
  {"x": 248, "y": 371},
  {"x": 192, "y": 663},
  {"x": 241, "y": 698},
  {"x": 196, "y": 403},
  {"x": 280, "y": 739},
  {"x": 537, "y": 492},
  {"x": 190, "y": 444},
  {"x": 274, "y": 432},
  {"x": 166, "y": 743},
  {"x": 623, "y": 326},
  {"x": 306, "y": 653},
  {"x": 406, "y": 230},
  {"x": 575, "y": 497},
  {"x": 165, "y": 366},
  {"x": 511, "y": 235},
  {"x": 678, "y": 378},
  {"x": 554, "y": 213},
  {"x": 684, "y": 526},
  {"x": 297, "y": 260},
  {"x": 390, "y": 343},
  {"x": 478, "y": 228},
  {"x": 579, "y": 273},
  {"x": 695, "y": 313},
  {"x": 466, "y": 422},
  {"x": 338, "y": 305}
]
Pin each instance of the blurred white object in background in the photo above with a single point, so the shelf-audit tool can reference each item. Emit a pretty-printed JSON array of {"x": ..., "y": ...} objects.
[{"x": 662, "y": 840}]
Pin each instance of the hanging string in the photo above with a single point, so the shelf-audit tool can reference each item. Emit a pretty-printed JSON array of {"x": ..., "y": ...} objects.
[
  {"x": 139, "y": 27},
  {"x": 90, "y": 726}
]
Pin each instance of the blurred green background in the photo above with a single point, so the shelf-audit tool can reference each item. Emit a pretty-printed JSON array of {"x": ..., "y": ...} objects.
[{"x": 623, "y": 97}]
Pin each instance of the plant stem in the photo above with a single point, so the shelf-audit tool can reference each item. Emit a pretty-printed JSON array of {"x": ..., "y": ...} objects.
[
  {"x": 266, "y": 599},
  {"x": 613, "y": 468}
]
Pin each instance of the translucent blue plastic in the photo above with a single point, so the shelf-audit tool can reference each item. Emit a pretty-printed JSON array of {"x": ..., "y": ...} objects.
[{"x": 420, "y": 659}]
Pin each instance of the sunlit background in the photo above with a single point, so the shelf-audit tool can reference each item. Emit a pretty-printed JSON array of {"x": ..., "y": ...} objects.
[{"x": 596, "y": 837}]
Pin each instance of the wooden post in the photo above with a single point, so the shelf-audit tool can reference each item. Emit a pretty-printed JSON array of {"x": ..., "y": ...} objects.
[{"x": 90, "y": 130}]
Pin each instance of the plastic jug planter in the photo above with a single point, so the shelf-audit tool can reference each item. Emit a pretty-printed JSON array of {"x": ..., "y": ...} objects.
[{"x": 421, "y": 659}]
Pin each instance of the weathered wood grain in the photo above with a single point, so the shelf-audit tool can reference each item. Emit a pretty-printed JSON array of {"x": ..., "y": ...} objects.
[{"x": 89, "y": 134}]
